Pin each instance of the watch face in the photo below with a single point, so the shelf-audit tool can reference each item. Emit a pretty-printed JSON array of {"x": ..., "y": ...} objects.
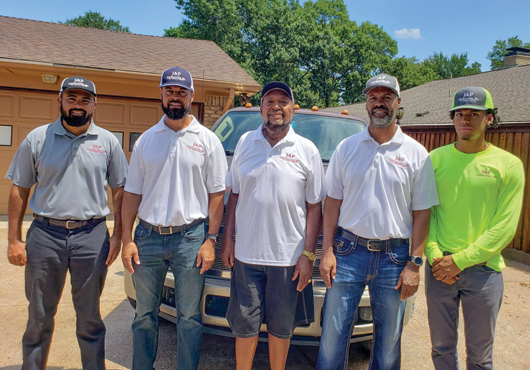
[{"x": 418, "y": 261}]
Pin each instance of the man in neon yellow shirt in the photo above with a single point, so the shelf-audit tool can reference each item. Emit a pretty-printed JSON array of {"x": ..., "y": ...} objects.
[{"x": 480, "y": 188}]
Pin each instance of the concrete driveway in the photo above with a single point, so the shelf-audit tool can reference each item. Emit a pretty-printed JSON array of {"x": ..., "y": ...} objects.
[{"x": 511, "y": 342}]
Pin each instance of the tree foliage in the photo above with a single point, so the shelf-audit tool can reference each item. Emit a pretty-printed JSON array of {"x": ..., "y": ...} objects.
[
  {"x": 496, "y": 55},
  {"x": 452, "y": 66},
  {"x": 95, "y": 20},
  {"x": 312, "y": 46}
]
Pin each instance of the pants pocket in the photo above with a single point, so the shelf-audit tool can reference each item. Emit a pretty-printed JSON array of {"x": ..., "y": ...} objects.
[{"x": 342, "y": 246}]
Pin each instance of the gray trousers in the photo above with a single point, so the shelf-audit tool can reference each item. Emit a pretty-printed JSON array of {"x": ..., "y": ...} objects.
[
  {"x": 480, "y": 291},
  {"x": 51, "y": 252}
]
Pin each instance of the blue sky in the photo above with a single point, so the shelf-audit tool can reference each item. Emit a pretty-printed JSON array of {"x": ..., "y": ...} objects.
[{"x": 421, "y": 27}]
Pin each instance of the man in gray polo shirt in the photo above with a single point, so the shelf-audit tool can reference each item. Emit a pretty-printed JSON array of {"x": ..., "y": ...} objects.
[{"x": 70, "y": 162}]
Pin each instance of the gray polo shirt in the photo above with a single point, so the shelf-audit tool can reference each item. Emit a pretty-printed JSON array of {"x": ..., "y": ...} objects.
[{"x": 71, "y": 172}]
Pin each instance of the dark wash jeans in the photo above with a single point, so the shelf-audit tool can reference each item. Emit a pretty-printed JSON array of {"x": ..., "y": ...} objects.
[{"x": 51, "y": 252}]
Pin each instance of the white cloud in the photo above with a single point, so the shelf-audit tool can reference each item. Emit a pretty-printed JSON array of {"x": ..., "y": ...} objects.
[{"x": 406, "y": 33}]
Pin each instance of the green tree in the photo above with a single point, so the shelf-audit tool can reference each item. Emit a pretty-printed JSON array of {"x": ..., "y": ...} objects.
[
  {"x": 216, "y": 20},
  {"x": 450, "y": 67},
  {"x": 410, "y": 72},
  {"x": 496, "y": 55},
  {"x": 95, "y": 20}
]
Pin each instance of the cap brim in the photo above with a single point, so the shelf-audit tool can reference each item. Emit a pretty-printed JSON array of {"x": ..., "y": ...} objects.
[
  {"x": 366, "y": 90},
  {"x": 175, "y": 84},
  {"x": 79, "y": 88},
  {"x": 474, "y": 107}
]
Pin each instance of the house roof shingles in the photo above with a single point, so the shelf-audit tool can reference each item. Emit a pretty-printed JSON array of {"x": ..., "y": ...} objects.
[
  {"x": 510, "y": 89},
  {"x": 59, "y": 44}
]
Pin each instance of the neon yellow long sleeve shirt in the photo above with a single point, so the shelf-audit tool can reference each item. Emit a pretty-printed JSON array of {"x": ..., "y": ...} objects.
[{"x": 480, "y": 197}]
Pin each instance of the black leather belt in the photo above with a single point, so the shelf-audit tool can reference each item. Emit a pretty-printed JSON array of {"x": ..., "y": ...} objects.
[
  {"x": 168, "y": 230},
  {"x": 373, "y": 245},
  {"x": 70, "y": 224}
]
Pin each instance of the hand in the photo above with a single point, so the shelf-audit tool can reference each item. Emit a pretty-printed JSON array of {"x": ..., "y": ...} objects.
[
  {"x": 451, "y": 281},
  {"x": 16, "y": 253},
  {"x": 206, "y": 255},
  {"x": 128, "y": 255},
  {"x": 328, "y": 267},
  {"x": 409, "y": 281},
  {"x": 445, "y": 268},
  {"x": 303, "y": 272},
  {"x": 114, "y": 250},
  {"x": 227, "y": 251}
]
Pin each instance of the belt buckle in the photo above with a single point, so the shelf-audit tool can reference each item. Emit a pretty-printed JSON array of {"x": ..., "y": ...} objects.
[
  {"x": 67, "y": 224},
  {"x": 369, "y": 245},
  {"x": 170, "y": 228}
]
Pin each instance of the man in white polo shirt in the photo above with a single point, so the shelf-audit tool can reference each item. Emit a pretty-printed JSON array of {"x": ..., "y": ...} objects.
[
  {"x": 69, "y": 164},
  {"x": 275, "y": 208},
  {"x": 178, "y": 169},
  {"x": 380, "y": 190}
]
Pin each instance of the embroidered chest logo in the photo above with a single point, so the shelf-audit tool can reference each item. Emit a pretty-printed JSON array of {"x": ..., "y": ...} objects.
[
  {"x": 290, "y": 157},
  {"x": 196, "y": 148},
  {"x": 96, "y": 149},
  {"x": 399, "y": 161},
  {"x": 485, "y": 173}
]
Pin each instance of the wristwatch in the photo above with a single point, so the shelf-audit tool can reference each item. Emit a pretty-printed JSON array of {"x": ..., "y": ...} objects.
[
  {"x": 310, "y": 255},
  {"x": 416, "y": 260},
  {"x": 211, "y": 236}
]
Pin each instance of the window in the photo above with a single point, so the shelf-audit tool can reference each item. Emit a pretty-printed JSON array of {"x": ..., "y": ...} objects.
[{"x": 6, "y": 135}]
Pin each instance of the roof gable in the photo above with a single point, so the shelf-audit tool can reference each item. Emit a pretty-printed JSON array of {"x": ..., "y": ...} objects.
[{"x": 65, "y": 45}]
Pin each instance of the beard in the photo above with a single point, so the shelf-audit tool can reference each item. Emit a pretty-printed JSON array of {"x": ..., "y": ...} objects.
[
  {"x": 382, "y": 122},
  {"x": 176, "y": 113},
  {"x": 277, "y": 128},
  {"x": 75, "y": 121}
]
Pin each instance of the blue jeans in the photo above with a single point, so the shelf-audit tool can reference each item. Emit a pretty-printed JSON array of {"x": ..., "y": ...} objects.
[
  {"x": 480, "y": 290},
  {"x": 356, "y": 268},
  {"x": 157, "y": 253}
]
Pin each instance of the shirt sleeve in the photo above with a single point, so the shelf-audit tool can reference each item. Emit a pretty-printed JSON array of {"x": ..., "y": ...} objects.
[
  {"x": 333, "y": 182},
  {"x": 503, "y": 224},
  {"x": 22, "y": 170},
  {"x": 424, "y": 194},
  {"x": 136, "y": 173},
  {"x": 117, "y": 169},
  {"x": 432, "y": 249},
  {"x": 315, "y": 187},
  {"x": 216, "y": 175}
]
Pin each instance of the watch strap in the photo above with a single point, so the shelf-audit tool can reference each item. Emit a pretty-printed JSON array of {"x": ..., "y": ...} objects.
[{"x": 211, "y": 236}]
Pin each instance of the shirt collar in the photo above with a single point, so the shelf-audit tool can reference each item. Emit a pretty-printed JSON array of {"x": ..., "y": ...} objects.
[
  {"x": 194, "y": 126},
  {"x": 397, "y": 139},
  {"x": 58, "y": 129},
  {"x": 289, "y": 138}
]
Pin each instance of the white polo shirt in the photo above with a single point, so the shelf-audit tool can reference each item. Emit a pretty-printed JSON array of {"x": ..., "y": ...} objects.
[
  {"x": 274, "y": 185},
  {"x": 175, "y": 172},
  {"x": 380, "y": 185}
]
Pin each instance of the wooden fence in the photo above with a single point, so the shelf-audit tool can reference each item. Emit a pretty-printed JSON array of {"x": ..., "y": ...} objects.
[{"x": 513, "y": 138}]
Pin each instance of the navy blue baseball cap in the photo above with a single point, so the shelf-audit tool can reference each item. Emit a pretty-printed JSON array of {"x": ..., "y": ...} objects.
[
  {"x": 277, "y": 86},
  {"x": 78, "y": 83},
  {"x": 177, "y": 76}
]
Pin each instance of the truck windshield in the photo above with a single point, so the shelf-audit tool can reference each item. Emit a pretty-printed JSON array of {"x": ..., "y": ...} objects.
[{"x": 325, "y": 131}]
